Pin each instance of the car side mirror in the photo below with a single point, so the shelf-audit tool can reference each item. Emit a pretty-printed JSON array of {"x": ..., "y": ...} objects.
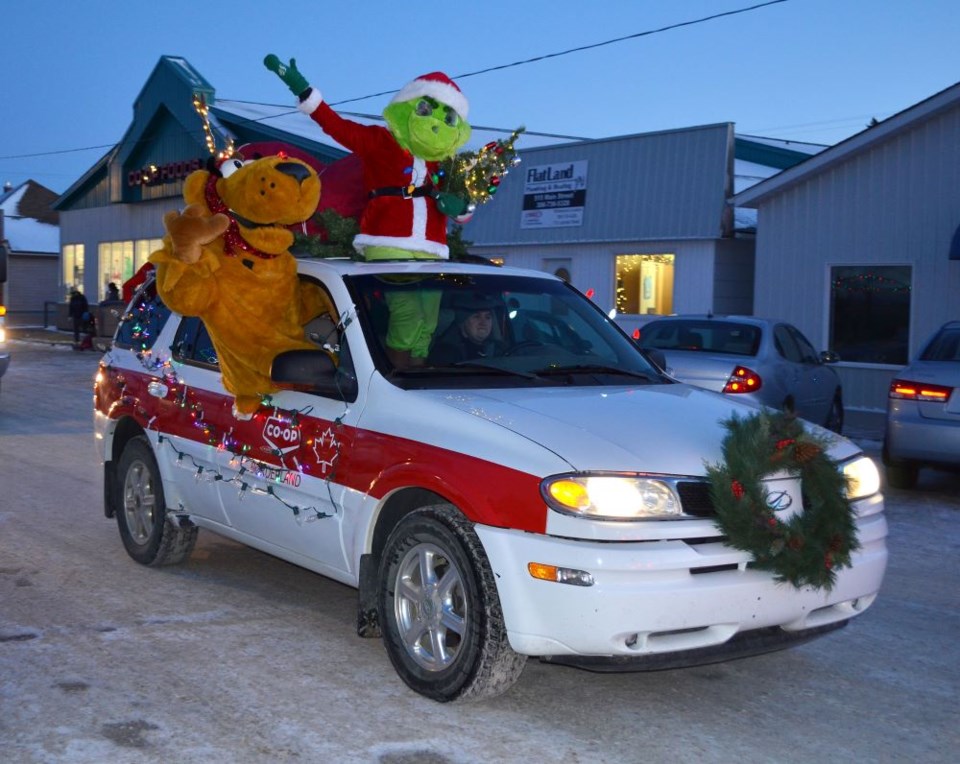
[
  {"x": 828, "y": 356},
  {"x": 312, "y": 371},
  {"x": 656, "y": 357}
]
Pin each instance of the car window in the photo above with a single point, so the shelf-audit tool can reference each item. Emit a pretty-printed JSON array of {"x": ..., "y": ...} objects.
[
  {"x": 786, "y": 344},
  {"x": 708, "y": 335},
  {"x": 807, "y": 353},
  {"x": 140, "y": 325},
  {"x": 945, "y": 346},
  {"x": 192, "y": 343},
  {"x": 322, "y": 329}
]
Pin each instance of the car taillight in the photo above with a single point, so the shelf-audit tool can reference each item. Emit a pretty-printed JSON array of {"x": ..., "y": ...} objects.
[
  {"x": 918, "y": 391},
  {"x": 743, "y": 380}
]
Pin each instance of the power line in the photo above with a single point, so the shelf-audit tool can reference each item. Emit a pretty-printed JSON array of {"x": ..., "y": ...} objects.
[
  {"x": 582, "y": 48},
  {"x": 54, "y": 153},
  {"x": 489, "y": 69}
]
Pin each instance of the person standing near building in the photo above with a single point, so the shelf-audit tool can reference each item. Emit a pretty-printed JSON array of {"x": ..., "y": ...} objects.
[{"x": 79, "y": 311}]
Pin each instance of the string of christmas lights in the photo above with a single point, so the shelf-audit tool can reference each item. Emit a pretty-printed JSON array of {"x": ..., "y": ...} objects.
[
  {"x": 200, "y": 105},
  {"x": 478, "y": 175},
  {"x": 143, "y": 318}
]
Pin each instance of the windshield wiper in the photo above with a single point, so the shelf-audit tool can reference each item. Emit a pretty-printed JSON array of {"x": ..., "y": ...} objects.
[
  {"x": 465, "y": 367},
  {"x": 597, "y": 368}
]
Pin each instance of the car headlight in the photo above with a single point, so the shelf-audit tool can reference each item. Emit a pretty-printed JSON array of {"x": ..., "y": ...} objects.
[
  {"x": 612, "y": 497},
  {"x": 863, "y": 477}
]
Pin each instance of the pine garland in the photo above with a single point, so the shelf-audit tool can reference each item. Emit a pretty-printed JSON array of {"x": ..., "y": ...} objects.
[
  {"x": 809, "y": 547},
  {"x": 338, "y": 241}
]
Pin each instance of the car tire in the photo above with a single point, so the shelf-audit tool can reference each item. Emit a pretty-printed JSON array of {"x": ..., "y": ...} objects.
[
  {"x": 902, "y": 475},
  {"x": 835, "y": 417},
  {"x": 148, "y": 536},
  {"x": 440, "y": 612},
  {"x": 900, "y": 472}
]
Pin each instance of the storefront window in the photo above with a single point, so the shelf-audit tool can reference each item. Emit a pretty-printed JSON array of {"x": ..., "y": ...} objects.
[
  {"x": 72, "y": 267},
  {"x": 119, "y": 260},
  {"x": 645, "y": 284},
  {"x": 870, "y": 312},
  {"x": 143, "y": 248}
]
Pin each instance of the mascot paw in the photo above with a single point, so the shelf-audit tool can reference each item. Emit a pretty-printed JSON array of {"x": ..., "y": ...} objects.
[
  {"x": 239, "y": 408},
  {"x": 192, "y": 229}
]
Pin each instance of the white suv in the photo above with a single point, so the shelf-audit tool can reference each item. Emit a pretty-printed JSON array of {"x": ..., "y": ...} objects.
[{"x": 432, "y": 488}]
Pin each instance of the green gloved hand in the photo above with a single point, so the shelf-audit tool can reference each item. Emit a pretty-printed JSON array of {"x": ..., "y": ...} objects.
[
  {"x": 288, "y": 73},
  {"x": 451, "y": 205}
]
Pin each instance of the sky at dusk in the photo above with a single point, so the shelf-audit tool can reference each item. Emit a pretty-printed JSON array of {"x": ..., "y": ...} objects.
[{"x": 805, "y": 70}]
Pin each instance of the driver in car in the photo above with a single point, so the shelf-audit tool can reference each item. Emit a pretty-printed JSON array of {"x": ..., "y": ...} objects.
[{"x": 470, "y": 337}]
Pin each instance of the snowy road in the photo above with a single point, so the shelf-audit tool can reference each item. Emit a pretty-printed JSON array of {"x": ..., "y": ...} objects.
[{"x": 238, "y": 657}]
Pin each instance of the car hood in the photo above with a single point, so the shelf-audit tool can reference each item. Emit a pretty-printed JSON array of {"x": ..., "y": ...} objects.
[{"x": 671, "y": 429}]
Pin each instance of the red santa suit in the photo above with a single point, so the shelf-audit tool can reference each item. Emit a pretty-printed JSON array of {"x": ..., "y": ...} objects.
[{"x": 401, "y": 211}]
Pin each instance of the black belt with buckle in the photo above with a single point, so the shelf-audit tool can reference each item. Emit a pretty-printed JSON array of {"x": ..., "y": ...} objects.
[{"x": 404, "y": 191}]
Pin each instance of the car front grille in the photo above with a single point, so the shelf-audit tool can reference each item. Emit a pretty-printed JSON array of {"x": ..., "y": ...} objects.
[{"x": 695, "y": 498}]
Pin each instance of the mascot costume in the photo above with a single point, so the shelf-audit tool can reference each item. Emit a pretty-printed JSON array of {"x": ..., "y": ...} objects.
[
  {"x": 407, "y": 210},
  {"x": 226, "y": 259}
]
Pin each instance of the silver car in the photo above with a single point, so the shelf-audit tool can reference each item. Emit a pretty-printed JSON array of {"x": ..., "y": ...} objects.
[
  {"x": 923, "y": 410},
  {"x": 764, "y": 360}
]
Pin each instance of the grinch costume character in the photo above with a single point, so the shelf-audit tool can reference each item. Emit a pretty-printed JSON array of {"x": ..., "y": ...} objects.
[{"x": 407, "y": 210}]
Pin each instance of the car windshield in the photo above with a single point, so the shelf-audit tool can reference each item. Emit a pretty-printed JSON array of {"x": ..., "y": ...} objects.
[
  {"x": 708, "y": 335},
  {"x": 944, "y": 347},
  {"x": 491, "y": 330}
]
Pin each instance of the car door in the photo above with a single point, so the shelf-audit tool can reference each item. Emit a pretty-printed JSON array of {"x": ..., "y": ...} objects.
[
  {"x": 814, "y": 384},
  {"x": 282, "y": 483},
  {"x": 178, "y": 398},
  {"x": 195, "y": 409}
]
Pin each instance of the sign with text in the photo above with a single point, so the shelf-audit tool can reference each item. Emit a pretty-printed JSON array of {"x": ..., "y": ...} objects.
[{"x": 554, "y": 195}]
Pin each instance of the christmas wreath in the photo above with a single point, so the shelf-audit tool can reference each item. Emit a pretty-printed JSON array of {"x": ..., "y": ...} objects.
[{"x": 808, "y": 548}]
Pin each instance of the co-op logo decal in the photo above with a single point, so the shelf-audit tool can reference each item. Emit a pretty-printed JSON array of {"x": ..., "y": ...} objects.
[
  {"x": 281, "y": 435},
  {"x": 779, "y": 500}
]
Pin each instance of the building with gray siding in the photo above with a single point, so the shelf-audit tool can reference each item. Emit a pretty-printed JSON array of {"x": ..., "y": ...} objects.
[
  {"x": 645, "y": 225},
  {"x": 854, "y": 245}
]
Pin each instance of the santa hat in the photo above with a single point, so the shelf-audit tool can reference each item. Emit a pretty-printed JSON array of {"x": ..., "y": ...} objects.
[{"x": 438, "y": 86}]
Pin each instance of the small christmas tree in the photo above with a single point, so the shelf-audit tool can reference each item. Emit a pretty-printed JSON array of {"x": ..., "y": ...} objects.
[{"x": 476, "y": 175}]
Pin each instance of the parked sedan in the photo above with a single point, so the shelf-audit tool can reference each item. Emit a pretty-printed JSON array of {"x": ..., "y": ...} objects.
[
  {"x": 764, "y": 360},
  {"x": 923, "y": 410}
]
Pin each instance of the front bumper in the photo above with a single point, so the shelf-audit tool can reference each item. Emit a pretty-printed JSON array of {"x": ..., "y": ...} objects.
[
  {"x": 741, "y": 645},
  {"x": 646, "y": 598}
]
